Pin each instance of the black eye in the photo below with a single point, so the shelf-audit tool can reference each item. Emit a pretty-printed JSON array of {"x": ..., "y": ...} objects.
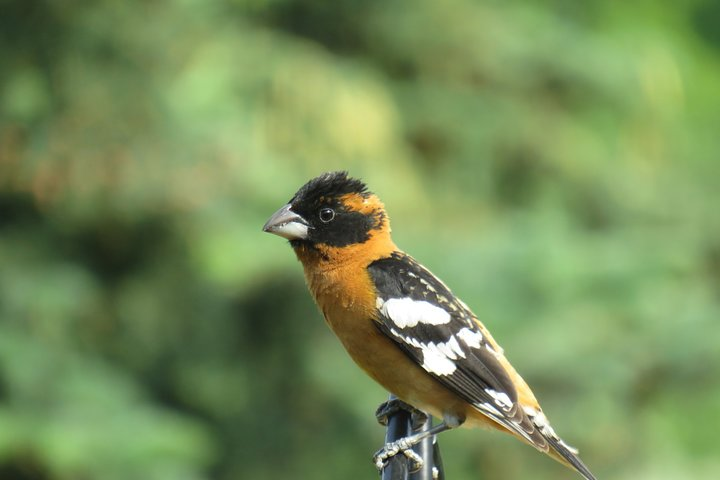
[{"x": 326, "y": 215}]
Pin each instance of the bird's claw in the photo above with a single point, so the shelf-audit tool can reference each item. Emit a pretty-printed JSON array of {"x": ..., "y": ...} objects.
[{"x": 393, "y": 448}]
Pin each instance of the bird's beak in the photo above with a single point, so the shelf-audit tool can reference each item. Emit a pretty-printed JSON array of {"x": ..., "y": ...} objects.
[{"x": 287, "y": 224}]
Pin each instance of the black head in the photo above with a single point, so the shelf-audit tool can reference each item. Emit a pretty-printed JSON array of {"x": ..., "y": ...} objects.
[{"x": 332, "y": 209}]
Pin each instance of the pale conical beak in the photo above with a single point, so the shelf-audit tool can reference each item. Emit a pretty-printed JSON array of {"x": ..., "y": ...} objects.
[{"x": 287, "y": 224}]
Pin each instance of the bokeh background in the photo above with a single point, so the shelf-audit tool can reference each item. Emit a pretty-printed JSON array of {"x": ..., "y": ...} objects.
[{"x": 554, "y": 162}]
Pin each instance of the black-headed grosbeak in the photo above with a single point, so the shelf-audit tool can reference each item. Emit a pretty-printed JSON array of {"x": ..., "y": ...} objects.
[{"x": 401, "y": 324}]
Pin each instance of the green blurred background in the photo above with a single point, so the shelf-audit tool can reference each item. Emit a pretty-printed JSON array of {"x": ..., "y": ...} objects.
[{"x": 555, "y": 163}]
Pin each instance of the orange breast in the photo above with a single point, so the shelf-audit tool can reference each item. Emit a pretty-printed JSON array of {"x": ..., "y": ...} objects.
[{"x": 341, "y": 286}]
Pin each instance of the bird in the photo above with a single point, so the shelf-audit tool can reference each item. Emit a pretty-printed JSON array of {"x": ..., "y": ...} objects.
[{"x": 401, "y": 324}]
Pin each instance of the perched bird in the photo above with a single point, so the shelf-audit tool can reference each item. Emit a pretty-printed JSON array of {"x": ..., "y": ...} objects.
[{"x": 401, "y": 324}]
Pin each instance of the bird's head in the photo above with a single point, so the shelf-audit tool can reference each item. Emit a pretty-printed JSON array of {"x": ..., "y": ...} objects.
[{"x": 330, "y": 212}]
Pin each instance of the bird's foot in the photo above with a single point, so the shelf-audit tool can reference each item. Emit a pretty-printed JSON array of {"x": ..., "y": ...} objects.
[{"x": 404, "y": 446}]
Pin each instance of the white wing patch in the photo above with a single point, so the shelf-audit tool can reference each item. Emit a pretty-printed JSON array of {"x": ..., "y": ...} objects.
[
  {"x": 435, "y": 361},
  {"x": 501, "y": 398},
  {"x": 406, "y": 312},
  {"x": 470, "y": 338},
  {"x": 451, "y": 348},
  {"x": 437, "y": 357}
]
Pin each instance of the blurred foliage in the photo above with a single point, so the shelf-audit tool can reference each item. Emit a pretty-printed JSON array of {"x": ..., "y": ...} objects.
[{"x": 554, "y": 162}]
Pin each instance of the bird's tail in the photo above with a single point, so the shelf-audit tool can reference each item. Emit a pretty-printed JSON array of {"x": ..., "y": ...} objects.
[
  {"x": 531, "y": 426},
  {"x": 568, "y": 456}
]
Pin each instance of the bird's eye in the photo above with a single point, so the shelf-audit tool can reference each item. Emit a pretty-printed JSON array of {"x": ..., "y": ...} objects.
[{"x": 326, "y": 215}]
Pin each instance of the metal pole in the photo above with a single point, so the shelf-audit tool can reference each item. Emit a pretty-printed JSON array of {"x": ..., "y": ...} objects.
[
  {"x": 402, "y": 422},
  {"x": 398, "y": 426},
  {"x": 425, "y": 450}
]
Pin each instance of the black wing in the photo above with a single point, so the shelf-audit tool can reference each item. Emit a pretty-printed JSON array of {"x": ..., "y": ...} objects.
[{"x": 438, "y": 331}]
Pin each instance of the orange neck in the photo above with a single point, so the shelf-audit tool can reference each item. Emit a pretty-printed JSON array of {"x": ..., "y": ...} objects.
[{"x": 337, "y": 276}]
